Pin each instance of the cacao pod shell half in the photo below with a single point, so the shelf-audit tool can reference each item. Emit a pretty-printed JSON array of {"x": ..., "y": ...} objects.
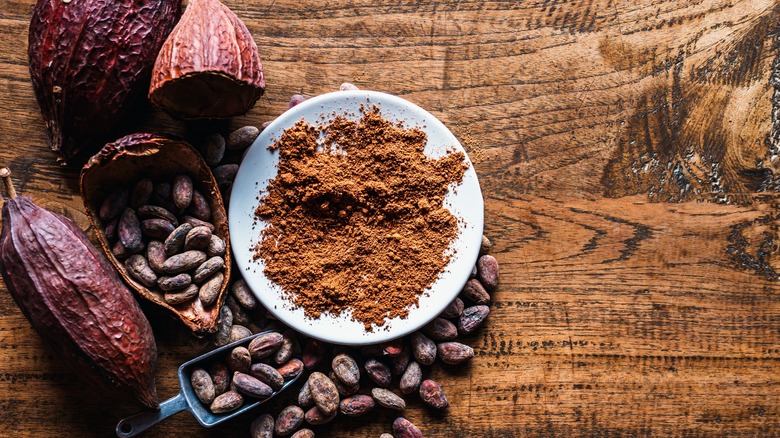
[
  {"x": 118, "y": 166},
  {"x": 74, "y": 299},
  {"x": 208, "y": 67},
  {"x": 88, "y": 60}
]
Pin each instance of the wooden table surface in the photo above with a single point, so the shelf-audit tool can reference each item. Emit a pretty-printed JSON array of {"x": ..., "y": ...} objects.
[{"x": 627, "y": 153}]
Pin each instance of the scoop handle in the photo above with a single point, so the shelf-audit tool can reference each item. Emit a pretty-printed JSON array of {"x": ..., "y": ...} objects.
[{"x": 135, "y": 424}]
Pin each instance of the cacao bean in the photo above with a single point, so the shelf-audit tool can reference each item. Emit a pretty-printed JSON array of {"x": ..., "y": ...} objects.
[
  {"x": 267, "y": 374},
  {"x": 129, "y": 231},
  {"x": 346, "y": 369},
  {"x": 226, "y": 402},
  {"x": 197, "y": 238},
  {"x": 238, "y": 332},
  {"x": 225, "y": 174},
  {"x": 484, "y": 248},
  {"x": 262, "y": 427},
  {"x": 471, "y": 319},
  {"x": 113, "y": 205},
  {"x": 250, "y": 386},
  {"x": 378, "y": 372},
  {"x": 202, "y": 385},
  {"x": 155, "y": 255},
  {"x": 401, "y": 361},
  {"x": 208, "y": 268},
  {"x": 392, "y": 348},
  {"x": 181, "y": 191},
  {"x": 313, "y": 352},
  {"x": 110, "y": 230},
  {"x": 474, "y": 291},
  {"x": 155, "y": 212},
  {"x": 386, "y": 435},
  {"x": 243, "y": 295},
  {"x": 440, "y": 329},
  {"x": 224, "y": 324},
  {"x": 141, "y": 193},
  {"x": 174, "y": 243},
  {"x": 216, "y": 246},
  {"x": 315, "y": 416},
  {"x": 285, "y": 351},
  {"x": 356, "y": 406},
  {"x": 181, "y": 296},
  {"x": 239, "y": 360},
  {"x": 423, "y": 349},
  {"x": 454, "y": 353},
  {"x": 179, "y": 281},
  {"x": 487, "y": 272},
  {"x": 163, "y": 196},
  {"x": 295, "y": 99},
  {"x": 242, "y": 138},
  {"x": 138, "y": 268},
  {"x": 291, "y": 369},
  {"x": 119, "y": 250},
  {"x": 388, "y": 399},
  {"x": 199, "y": 207},
  {"x": 346, "y": 86},
  {"x": 220, "y": 376},
  {"x": 432, "y": 395},
  {"x": 304, "y": 396},
  {"x": 157, "y": 228},
  {"x": 303, "y": 433},
  {"x": 265, "y": 345},
  {"x": 214, "y": 150},
  {"x": 411, "y": 379},
  {"x": 454, "y": 309},
  {"x": 184, "y": 261},
  {"x": 209, "y": 291},
  {"x": 288, "y": 420},
  {"x": 403, "y": 428},
  {"x": 195, "y": 222},
  {"x": 240, "y": 316},
  {"x": 341, "y": 388},
  {"x": 324, "y": 393},
  {"x": 473, "y": 273}
]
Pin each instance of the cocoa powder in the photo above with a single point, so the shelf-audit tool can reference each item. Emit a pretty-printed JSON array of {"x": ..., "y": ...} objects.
[{"x": 357, "y": 223}]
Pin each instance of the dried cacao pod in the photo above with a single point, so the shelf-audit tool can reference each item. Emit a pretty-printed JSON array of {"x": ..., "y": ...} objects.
[
  {"x": 209, "y": 66},
  {"x": 88, "y": 60},
  {"x": 74, "y": 299},
  {"x": 119, "y": 165}
]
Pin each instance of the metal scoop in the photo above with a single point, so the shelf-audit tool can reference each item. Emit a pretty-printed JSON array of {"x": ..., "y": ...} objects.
[{"x": 186, "y": 400}]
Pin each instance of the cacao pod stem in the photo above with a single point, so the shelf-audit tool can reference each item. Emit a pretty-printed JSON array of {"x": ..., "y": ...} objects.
[{"x": 5, "y": 173}]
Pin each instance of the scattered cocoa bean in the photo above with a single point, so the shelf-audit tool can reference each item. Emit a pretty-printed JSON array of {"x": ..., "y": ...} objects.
[
  {"x": 341, "y": 388},
  {"x": 181, "y": 191},
  {"x": 195, "y": 222},
  {"x": 265, "y": 345},
  {"x": 129, "y": 231},
  {"x": 216, "y": 246},
  {"x": 197, "y": 238},
  {"x": 288, "y": 420},
  {"x": 454, "y": 353},
  {"x": 440, "y": 329},
  {"x": 240, "y": 316},
  {"x": 471, "y": 319},
  {"x": 411, "y": 379},
  {"x": 262, "y": 427},
  {"x": 113, "y": 205},
  {"x": 199, "y": 207},
  {"x": 181, "y": 296},
  {"x": 238, "y": 332},
  {"x": 356, "y": 406},
  {"x": 156, "y": 212},
  {"x": 388, "y": 399},
  {"x": 303, "y": 433},
  {"x": 286, "y": 350},
  {"x": 346, "y": 369},
  {"x": 403, "y": 428},
  {"x": 346, "y": 86},
  {"x": 392, "y": 348},
  {"x": 184, "y": 262},
  {"x": 267, "y": 374},
  {"x": 378, "y": 372},
  {"x": 313, "y": 352},
  {"x": 484, "y": 248},
  {"x": 224, "y": 323},
  {"x": 423, "y": 348},
  {"x": 473, "y": 273},
  {"x": 155, "y": 255},
  {"x": 239, "y": 360},
  {"x": 209, "y": 291},
  {"x": 401, "y": 361},
  {"x": 432, "y": 395},
  {"x": 242, "y": 138},
  {"x": 304, "y": 396},
  {"x": 139, "y": 269},
  {"x": 243, "y": 295},
  {"x": 213, "y": 149},
  {"x": 176, "y": 282},
  {"x": 454, "y": 309},
  {"x": 487, "y": 272},
  {"x": 295, "y": 99},
  {"x": 315, "y": 416},
  {"x": 250, "y": 386},
  {"x": 324, "y": 393},
  {"x": 226, "y": 402},
  {"x": 202, "y": 385},
  {"x": 474, "y": 291},
  {"x": 208, "y": 268},
  {"x": 225, "y": 174},
  {"x": 386, "y": 435},
  {"x": 141, "y": 193}
]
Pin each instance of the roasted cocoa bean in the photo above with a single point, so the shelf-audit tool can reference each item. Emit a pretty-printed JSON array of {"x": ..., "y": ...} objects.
[
  {"x": 113, "y": 205},
  {"x": 315, "y": 416},
  {"x": 216, "y": 246},
  {"x": 471, "y": 319},
  {"x": 181, "y": 296},
  {"x": 267, "y": 374},
  {"x": 403, "y": 428},
  {"x": 226, "y": 402},
  {"x": 378, "y": 372},
  {"x": 138, "y": 268},
  {"x": 244, "y": 296},
  {"x": 157, "y": 228},
  {"x": 487, "y": 272},
  {"x": 174, "y": 243},
  {"x": 484, "y": 248},
  {"x": 141, "y": 193},
  {"x": 265, "y": 345},
  {"x": 181, "y": 191},
  {"x": 156, "y": 212},
  {"x": 454, "y": 353},
  {"x": 202, "y": 385},
  {"x": 242, "y": 138},
  {"x": 432, "y": 395},
  {"x": 291, "y": 369},
  {"x": 313, "y": 352},
  {"x": 162, "y": 196},
  {"x": 454, "y": 309},
  {"x": 401, "y": 361},
  {"x": 208, "y": 268},
  {"x": 388, "y": 399},
  {"x": 184, "y": 262},
  {"x": 474, "y": 292},
  {"x": 262, "y": 427},
  {"x": 303, "y": 433},
  {"x": 209, "y": 291},
  {"x": 225, "y": 174},
  {"x": 119, "y": 250},
  {"x": 392, "y": 348},
  {"x": 250, "y": 386},
  {"x": 288, "y": 420},
  {"x": 304, "y": 396},
  {"x": 346, "y": 369},
  {"x": 224, "y": 323},
  {"x": 411, "y": 379},
  {"x": 423, "y": 348},
  {"x": 238, "y": 332},
  {"x": 129, "y": 231},
  {"x": 324, "y": 393},
  {"x": 240, "y": 316},
  {"x": 440, "y": 329},
  {"x": 176, "y": 282},
  {"x": 356, "y": 406},
  {"x": 220, "y": 376},
  {"x": 239, "y": 360},
  {"x": 197, "y": 238},
  {"x": 199, "y": 207},
  {"x": 213, "y": 150},
  {"x": 343, "y": 390},
  {"x": 286, "y": 350},
  {"x": 155, "y": 255}
]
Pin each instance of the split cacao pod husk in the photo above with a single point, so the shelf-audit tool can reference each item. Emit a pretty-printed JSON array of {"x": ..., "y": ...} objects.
[
  {"x": 75, "y": 300},
  {"x": 88, "y": 60},
  {"x": 157, "y": 157},
  {"x": 208, "y": 67}
]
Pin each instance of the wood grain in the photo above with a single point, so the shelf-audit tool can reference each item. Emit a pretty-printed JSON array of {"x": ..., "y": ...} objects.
[{"x": 628, "y": 154}]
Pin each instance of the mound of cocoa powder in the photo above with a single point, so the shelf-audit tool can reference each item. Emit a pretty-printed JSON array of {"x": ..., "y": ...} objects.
[{"x": 357, "y": 223}]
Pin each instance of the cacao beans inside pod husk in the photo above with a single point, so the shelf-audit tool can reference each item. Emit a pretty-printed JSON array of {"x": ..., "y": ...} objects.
[
  {"x": 75, "y": 300},
  {"x": 88, "y": 60},
  {"x": 208, "y": 67},
  {"x": 121, "y": 164}
]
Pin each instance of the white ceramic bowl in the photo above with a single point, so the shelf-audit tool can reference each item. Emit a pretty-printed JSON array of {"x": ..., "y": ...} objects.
[{"x": 260, "y": 166}]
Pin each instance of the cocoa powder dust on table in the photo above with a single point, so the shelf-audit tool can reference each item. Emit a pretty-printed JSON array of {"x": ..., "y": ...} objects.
[{"x": 357, "y": 223}]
